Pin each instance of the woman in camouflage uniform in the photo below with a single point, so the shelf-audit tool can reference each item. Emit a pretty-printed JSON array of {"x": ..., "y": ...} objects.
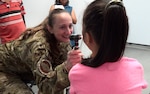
[{"x": 40, "y": 55}]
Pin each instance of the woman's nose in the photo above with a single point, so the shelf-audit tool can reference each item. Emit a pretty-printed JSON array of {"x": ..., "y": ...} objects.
[{"x": 69, "y": 30}]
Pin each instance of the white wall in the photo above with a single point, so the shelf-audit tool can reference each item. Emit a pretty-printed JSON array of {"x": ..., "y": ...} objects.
[
  {"x": 36, "y": 11},
  {"x": 139, "y": 20}
]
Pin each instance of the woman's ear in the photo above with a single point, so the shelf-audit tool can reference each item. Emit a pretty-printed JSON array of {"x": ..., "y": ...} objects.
[{"x": 49, "y": 29}]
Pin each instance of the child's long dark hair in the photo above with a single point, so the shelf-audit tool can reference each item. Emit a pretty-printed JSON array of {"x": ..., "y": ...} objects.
[{"x": 107, "y": 22}]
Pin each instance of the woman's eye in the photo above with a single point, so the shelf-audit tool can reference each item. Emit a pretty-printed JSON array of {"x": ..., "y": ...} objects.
[
  {"x": 70, "y": 26},
  {"x": 62, "y": 27}
]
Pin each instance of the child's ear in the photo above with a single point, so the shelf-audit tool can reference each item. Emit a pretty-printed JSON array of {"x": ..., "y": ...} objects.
[{"x": 87, "y": 38}]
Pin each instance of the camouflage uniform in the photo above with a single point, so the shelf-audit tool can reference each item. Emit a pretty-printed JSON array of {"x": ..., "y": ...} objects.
[{"x": 31, "y": 58}]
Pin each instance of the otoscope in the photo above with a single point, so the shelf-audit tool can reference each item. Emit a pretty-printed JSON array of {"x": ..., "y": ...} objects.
[{"x": 76, "y": 38}]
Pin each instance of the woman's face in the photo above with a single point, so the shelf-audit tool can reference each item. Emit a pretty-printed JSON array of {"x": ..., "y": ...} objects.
[
  {"x": 63, "y": 2},
  {"x": 62, "y": 27}
]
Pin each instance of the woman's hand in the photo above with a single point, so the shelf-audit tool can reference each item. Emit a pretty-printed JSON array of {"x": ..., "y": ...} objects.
[{"x": 73, "y": 57}]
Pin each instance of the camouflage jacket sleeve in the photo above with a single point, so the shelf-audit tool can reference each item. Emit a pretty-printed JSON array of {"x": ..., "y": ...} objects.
[{"x": 30, "y": 53}]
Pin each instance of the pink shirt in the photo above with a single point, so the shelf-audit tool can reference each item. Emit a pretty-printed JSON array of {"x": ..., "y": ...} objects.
[{"x": 122, "y": 77}]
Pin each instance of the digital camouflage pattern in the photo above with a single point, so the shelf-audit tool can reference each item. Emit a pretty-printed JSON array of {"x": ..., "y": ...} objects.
[{"x": 31, "y": 58}]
